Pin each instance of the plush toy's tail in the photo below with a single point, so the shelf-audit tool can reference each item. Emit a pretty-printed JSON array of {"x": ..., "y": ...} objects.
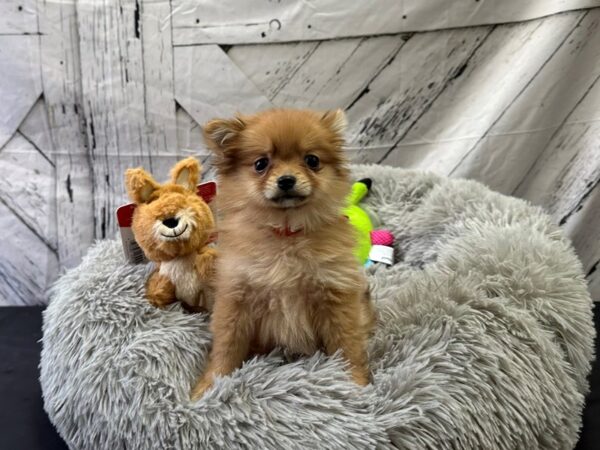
[
  {"x": 367, "y": 182},
  {"x": 359, "y": 190}
]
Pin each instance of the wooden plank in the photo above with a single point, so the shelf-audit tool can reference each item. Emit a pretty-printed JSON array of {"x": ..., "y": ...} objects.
[
  {"x": 593, "y": 280},
  {"x": 406, "y": 88},
  {"x": 554, "y": 173},
  {"x": 27, "y": 188},
  {"x": 63, "y": 102},
  {"x": 20, "y": 81},
  {"x": 582, "y": 227},
  {"x": 472, "y": 98},
  {"x": 191, "y": 143},
  {"x": 259, "y": 21},
  {"x": 26, "y": 275},
  {"x": 525, "y": 127},
  {"x": 159, "y": 102},
  {"x": 271, "y": 66},
  {"x": 18, "y": 17},
  {"x": 36, "y": 129},
  {"x": 580, "y": 175},
  {"x": 112, "y": 80},
  {"x": 316, "y": 75},
  {"x": 208, "y": 84},
  {"x": 341, "y": 86},
  {"x": 189, "y": 135}
]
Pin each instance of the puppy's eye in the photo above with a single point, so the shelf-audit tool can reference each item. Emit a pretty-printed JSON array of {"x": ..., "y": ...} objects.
[
  {"x": 261, "y": 164},
  {"x": 312, "y": 161}
]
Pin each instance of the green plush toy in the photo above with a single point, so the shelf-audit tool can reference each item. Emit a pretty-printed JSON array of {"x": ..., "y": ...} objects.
[{"x": 359, "y": 219}]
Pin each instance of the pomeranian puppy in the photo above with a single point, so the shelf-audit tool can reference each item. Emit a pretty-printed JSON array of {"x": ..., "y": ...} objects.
[{"x": 286, "y": 275}]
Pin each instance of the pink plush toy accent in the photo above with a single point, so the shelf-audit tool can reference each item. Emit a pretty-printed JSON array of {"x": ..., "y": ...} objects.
[
  {"x": 382, "y": 250},
  {"x": 382, "y": 237}
]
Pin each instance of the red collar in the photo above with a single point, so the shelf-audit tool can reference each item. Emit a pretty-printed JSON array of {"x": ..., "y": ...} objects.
[{"x": 287, "y": 231}]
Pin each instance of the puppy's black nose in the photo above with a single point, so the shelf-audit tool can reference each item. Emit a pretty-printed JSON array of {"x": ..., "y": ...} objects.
[
  {"x": 171, "y": 222},
  {"x": 286, "y": 182}
]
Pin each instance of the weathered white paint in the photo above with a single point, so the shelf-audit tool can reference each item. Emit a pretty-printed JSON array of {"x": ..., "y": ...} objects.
[
  {"x": 208, "y": 84},
  {"x": 270, "y": 66},
  {"x": 579, "y": 132},
  {"x": 262, "y": 21},
  {"x": 320, "y": 75},
  {"x": 582, "y": 227},
  {"x": 18, "y": 17},
  {"x": 26, "y": 275},
  {"x": 506, "y": 62},
  {"x": 28, "y": 249},
  {"x": 189, "y": 135},
  {"x": 27, "y": 187},
  {"x": 408, "y": 88},
  {"x": 21, "y": 83},
  {"x": 36, "y": 129},
  {"x": 60, "y": 70},
  {"x": 159, "y": 102},
  {"x": 514, "y": 105},
  {"x": 571, "y": 66},
  {"x": 566, "y": 177},
  {"x": 121, "y": 131}
]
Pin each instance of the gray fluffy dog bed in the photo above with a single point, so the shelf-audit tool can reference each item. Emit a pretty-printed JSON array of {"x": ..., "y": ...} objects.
[{"x": 484, "y": 341}]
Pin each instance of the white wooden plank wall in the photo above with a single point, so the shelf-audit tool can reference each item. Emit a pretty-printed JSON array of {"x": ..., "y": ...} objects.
[
  {"x": 62, "y": 97},
  {"x": 503, "y": 94}
]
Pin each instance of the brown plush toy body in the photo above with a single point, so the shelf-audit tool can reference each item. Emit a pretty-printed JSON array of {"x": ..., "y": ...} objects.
[{"x": 173, "y": 227}]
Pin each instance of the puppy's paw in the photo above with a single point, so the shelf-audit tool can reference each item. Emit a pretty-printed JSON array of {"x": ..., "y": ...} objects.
[
  {"x": 159, "y": 302},
  {"x": 198, "y": 309},
  {"x": 361, "y": 376},
  {"x": 201, "y": 387}
]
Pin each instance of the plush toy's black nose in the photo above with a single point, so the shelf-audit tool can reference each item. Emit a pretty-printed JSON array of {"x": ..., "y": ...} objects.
[
  {"x": 171, "y": 222},
  {"x": 286, "y": 182}
]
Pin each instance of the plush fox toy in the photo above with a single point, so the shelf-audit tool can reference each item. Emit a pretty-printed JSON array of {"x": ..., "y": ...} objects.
[{"x": 173, "y": 227}]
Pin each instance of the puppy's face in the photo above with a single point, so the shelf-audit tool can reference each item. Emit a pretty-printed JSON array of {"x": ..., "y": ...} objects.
[{"x": 281, "y": 160}]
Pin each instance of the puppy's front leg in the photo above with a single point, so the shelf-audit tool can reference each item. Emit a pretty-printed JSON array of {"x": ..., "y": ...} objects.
[
  {"x": 232, "y": 329},
  {"x": 342, "y": 327}
]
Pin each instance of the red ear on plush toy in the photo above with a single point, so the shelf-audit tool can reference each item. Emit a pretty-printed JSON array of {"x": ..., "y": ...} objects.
[
  {"x": 186, "y": 173},
  {"x": 140, "y": 185}
]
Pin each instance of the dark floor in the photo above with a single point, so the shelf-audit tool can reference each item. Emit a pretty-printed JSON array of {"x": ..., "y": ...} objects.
[
  {"x": 24, "y": 424},
  {"x": 590, "y": 436}
]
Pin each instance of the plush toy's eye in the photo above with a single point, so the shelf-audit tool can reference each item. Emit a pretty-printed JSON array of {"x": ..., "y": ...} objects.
[
  {"x": 261, "y": 164},
  {"x": 312, "y": 161}
]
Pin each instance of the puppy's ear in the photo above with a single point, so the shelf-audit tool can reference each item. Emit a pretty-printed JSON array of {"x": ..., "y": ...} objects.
[
  {"x": 218, "y": 133},
  {"x": 186, "y": 173},
  {"x": 335, "y": 120},
  {"x": 140, "y": 185}
]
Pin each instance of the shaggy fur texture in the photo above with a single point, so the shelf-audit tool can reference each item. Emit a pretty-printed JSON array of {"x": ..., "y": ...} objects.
[
  {"x": 173, "y": 226},
  {"x": 303, "y": 291},
  {"x": 484, "y": 341}
]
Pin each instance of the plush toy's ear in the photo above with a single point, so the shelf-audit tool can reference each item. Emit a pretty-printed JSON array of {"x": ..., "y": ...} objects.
[
  {"x": 335, "y": 120},
  {"x": 140, "y": 185},
  {"x": 186, "y": 173},
  {"x": 219, "y": 132}
]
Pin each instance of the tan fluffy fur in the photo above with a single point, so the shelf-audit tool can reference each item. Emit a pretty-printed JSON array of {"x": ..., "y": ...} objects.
[
  {"x": 304, "y": 292},
  {"x": 185, "y": 264}
]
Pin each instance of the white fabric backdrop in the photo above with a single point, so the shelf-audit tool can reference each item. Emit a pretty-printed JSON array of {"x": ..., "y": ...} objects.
[{"x": 495, "y": 91}]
